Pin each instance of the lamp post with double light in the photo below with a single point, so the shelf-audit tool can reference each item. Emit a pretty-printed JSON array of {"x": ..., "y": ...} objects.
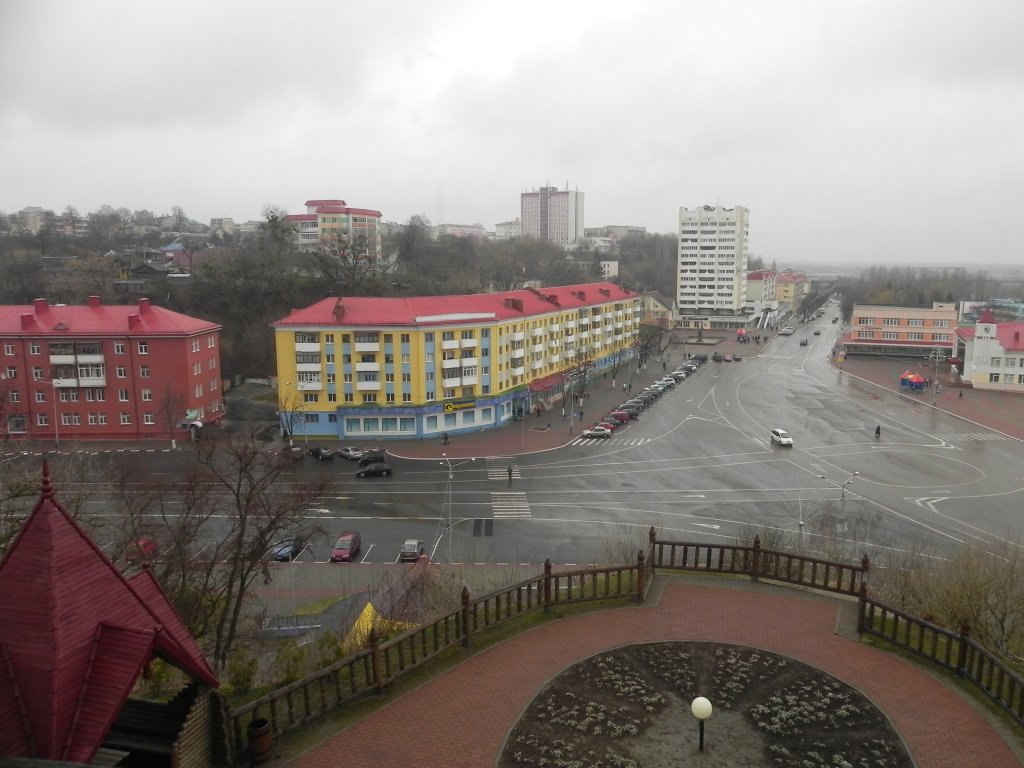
[
  {"x": 841, "y": 486},
  {"x": 445, "y": 461}
]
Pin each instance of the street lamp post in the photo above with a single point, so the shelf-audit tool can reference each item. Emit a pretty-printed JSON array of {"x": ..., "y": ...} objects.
[
  {"x": 701, "y": 709},
  {"x": 840, "y": 486},
  {"x": 935, "y": 356},
  {"x": 56, "y": 423},
  {"x": 448, "y": 495}
]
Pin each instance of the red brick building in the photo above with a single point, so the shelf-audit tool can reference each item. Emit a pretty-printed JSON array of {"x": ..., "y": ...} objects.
[{"x": 106, "y": 372}]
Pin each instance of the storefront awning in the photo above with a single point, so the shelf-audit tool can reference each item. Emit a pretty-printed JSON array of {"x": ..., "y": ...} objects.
[{"x": 540, "y": 385}]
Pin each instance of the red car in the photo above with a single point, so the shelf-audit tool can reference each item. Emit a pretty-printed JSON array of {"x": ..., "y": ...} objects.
[
  {"x": 609, "y": 424},
  {"x": 346, "y": 547},
  {"x": 620, "y": 416}
]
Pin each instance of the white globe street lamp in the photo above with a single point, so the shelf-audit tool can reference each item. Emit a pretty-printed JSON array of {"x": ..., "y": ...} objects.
[{"x": 701, "y": 709}]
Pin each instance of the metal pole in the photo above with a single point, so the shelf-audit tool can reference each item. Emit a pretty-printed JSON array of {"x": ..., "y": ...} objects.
[
  {"x": 56, "y": 424},
  {"x": 701, "y": 735}
]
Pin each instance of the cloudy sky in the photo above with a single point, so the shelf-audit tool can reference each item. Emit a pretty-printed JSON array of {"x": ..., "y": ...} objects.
[{"x": 864, "y": 130}]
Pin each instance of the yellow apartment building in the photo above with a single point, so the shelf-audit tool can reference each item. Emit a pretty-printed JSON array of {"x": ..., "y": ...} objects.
[{"x": 379, "y": 368}]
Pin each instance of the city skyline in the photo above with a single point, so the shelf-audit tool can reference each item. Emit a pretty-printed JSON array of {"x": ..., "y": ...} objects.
[{"x": 852, "y": 134}]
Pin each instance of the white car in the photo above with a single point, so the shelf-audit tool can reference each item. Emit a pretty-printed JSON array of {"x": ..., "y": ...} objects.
[
  {"x": 597, "y": 432},
  {"x": 351, "y": 453},
  {"x": 668, "y": 381},
  {"x": 787, "y": 331},
  {"x": 781, "y": 437}
]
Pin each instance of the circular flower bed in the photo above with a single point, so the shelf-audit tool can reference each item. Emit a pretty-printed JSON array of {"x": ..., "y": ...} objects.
[{"x": 631, "y": 708}]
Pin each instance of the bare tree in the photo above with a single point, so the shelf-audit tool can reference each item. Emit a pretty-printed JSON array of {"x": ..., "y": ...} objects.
[{"x": 172, "y": 410}]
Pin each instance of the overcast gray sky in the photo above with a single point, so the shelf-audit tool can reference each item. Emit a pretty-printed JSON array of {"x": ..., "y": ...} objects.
[{"x": 869, "y": 130}]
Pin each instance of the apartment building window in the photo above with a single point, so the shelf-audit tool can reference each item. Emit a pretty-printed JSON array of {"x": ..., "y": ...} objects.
[
  {"x": 118, "y": 347},
  {"x": 1011, "y": 362},
  {"x": 942, "y": 323},
  {"x": 389, "y": 397},
  {"x": 388, "y": 358},
  {"x": 467, "y": 334},
  {"x": 915, "y": 322},
  {"x": 195, "y": 345},
  {"x": 915, "y": 336},
  {"x": 198, "y": 391},
  {"x": 993, "y": 378},
  {"x": 307, "y": 357},
  {"x": 70, "y": 419},
  {"x": 332, "y": 397},
  {"x": 8, "y": 349},
  {"x": 406, "y": 358},
  {"x": 94, "y": 418},
  {"x": 147, "y": 395},
  {"x": 34, "y": 348},
  {"x": 429, "y": 357},
  {"x": 126, "y": 418},
  {"x": 330, "y": 358},
  {"x": 485, "y": 333},
  {"x": 345, "y": 338},
  {"x": 346, "y": 359},
  {"x": 121, "y": 372},
  {"x": 430, "y": 397},
  {"x": 995, "y": 362},
  {"x": 430, "y": 375},
  {"x": 15, "y": 396},
  {"x": 147, "y": 418},
  {"x": 349, "y": 398},
  {"x": 864, "y": 321},
  {"x": 332, "y": 418},
  {"x": 865, "y": 334},
  {"x": 891, "y": 321},
  {"x": 368, "y": 358},
  {"x": 485, "y": 389},
  {"x": 448, "y": 336},
  {"x": 940, "y": 337},
  {"x": 41, "y": 397},
  {"x": 467, "y": 392},
  {"x": 890, "y": 335},
  {"x": 69, "y": 396},
  {"x": 332, "y": 378},
  {"x": 369, "y": 398},
  {"x": 366, "y": 338},
  {"x": 211, "y": 363},
  {"x": 449, "y": 393},
  {"x": 310, "y": 397},
  {"x": 122, "y": 395},
  {"x": 485, "y": 370},
  {"x": 211, "y": 342},
  {"x": 307, "y": 338},
  {"x": 42, "y": 420},
  {"x": 407, "y": 377},
  {"x": 389, "y": 377},
  {"x": 406, "y": 397},
  {"x": 144, "y": 371},
  {"x": 143, "y": 347},
  {"x": 428, "y": 338},
  {"x": 309, "y": 377},
  {"x": 404, "y": 338},
  {"x": 388, "y": 338},
  {"x": 329, "y": 338},
  {"x": 347, "y": 378}
]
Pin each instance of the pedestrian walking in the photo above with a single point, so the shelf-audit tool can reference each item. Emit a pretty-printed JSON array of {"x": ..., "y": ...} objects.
[
  {"x": 581, "y": 414},
  {"x": 510, "y": 474},
  {"x": 624, "y": 386},
  {"x": 961, "y": 395},
  {"x": 444, "y": 437}
]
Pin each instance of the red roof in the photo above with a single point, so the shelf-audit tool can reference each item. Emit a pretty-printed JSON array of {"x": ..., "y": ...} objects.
[
  {"x": 300, "y": 217},
  {"x": 761, "y": 274},
  {"x": 98, "y": 319},
  {"x": 1009, "y": 335},
  {"x": 415, "y": 311},
  {"x": 75, "y": 637},
  {"x": 318, "y": 203}
]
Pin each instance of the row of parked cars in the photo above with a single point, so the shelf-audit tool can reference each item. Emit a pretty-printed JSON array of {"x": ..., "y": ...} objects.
[
  {"x": 346, "y": 548},
  {"x": 371, "y": 462},
  {"x": 632, "y": 407}
]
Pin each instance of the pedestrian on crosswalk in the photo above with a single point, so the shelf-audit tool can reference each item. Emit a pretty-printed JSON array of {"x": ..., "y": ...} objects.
[{"x": 510, "y": 474}]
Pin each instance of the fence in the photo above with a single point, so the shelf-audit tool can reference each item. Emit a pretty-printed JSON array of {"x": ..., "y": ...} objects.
[{"x": 372, "y": 668}]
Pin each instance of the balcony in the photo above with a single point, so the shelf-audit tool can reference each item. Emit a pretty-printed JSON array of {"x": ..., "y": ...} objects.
[
  {"x": 554, "y": 358},
  {"x": 537, "y": 332},
  {"x": 367, "y": 386},
  {"x": 537, "y": 365},
  {"x": 453, "y": 363},
  {"x": 537, "y": 347},
  {"x": 555, "y": 327},
  {"x": 367, "y": 367},
  {"x": 92, "y": 381},
  {"x": 519, "y": 371},
  {"x": 469, "y": 381},
  {"x": 307, "y": 347},
  {"x": 519, "y": 336},
  {"x": 583, "y": 335},
  {"x": 307, "y": 367},
  {"x": 569, "y": 325},
  {"x": 554, "y": 344},
  {"x": 450, "y": 344},
  {"x": 453, "y": 382},
  {"x": 62, "y": 360},
  {"x": 469, "y": 361},
  {"x": 469, "y": 343},
  {"x": 310, "y": 386},
  {"x": 518, "y": 353},
  {"x": 367, "y": 346}
]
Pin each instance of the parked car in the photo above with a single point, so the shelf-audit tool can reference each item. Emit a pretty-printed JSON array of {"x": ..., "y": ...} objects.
[
  {"x": 678, "y": 375},
  {"x": 346, "y": 547},
  {"x": 716, "y": 357},
  {"x": 835, "y": 319},
  {"x": 699, "y": 359},
  {"x": 321, "y": 454},
  {"x": 668, "y": 381},
  {"x": 781, "y": 437},
  {"x": 690, "y": 367},
  {"x": 637, "y": 402},
  {"x": 787, "y": 331},
  {"x": 372, "y": 456},
  {"x": 596, "y": 432},
  {"x": 351, "y": 453},
  {"x": 632, "y": 410},
  {"x": 620, "y": 416},
  {"x": 803, "y": 342},
  {"x": 374, "y": 469},
  {"x": 289, "y": 549},
  {"x": 727, "y": 358},
  {"x": 410, "y": 551},
  {"x": 294, "y": 452},
  {"x": 817, "y": 332},
  {"x": 609, "y": 424}
]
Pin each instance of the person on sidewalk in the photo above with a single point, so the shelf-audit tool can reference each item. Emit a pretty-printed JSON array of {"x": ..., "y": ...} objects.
[
  {"x": 444, "y": 437},
  {"x": 510, "y": 474},
  {"x": 961, "y": 396}
]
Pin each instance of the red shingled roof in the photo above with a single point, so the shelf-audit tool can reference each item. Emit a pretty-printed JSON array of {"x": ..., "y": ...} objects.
[
  {"x": 454, "y": 309},
  {"x": 1009, "y": 335},
  {"x": 75, "y": 637},
  {"x": 99, "y": 319}
]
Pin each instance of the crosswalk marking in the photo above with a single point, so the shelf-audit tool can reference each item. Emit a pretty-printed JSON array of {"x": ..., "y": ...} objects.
[
  {"x": 497, "y": 468},
  {"x": 954, "y": 436},
  {"x": 509, "y": 504},
  {"x": 611, "y": 441}
]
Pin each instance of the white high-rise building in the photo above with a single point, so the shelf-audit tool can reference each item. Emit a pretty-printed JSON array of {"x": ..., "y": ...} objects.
[
  {"x": 553, "y": 215},
  {"x": 712, "y": 260}
]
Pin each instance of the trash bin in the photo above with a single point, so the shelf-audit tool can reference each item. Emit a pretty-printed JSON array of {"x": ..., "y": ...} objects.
[{"x": 261, "y": 741}]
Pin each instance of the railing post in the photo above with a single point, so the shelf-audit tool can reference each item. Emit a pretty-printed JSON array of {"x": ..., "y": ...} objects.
[
  {"x": 641, "y": 576},
  {"x": 374, "y": 641},
  {"x": 862, "y": 606},
  {"x": 652, "y": 538},
  {"x": 465, "y": 617},
  {"x": 756, "y": 558},
  {"x": 961, "y": 654},
  {"x": 547, "y": 585}
]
